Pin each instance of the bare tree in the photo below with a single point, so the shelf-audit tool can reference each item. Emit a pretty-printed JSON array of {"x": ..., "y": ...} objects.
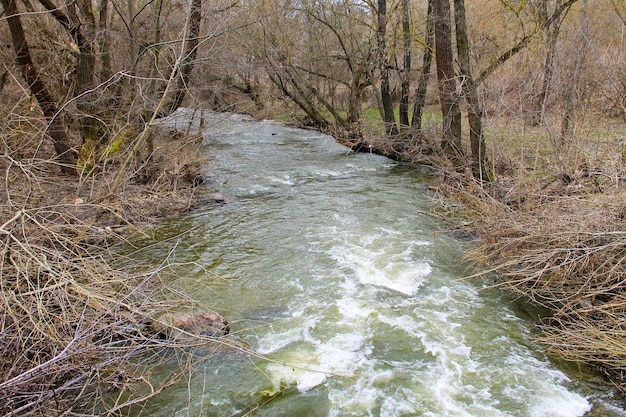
[
  {"x": 326, "y": 70},
  {"x": 157, "y": 10},
  {"x": 405, "y": 72},
  {"x": 420, "y": 93},
  {"x": 183, "y": 72},
  {"x": 79, "y": 21},
  {"x": 448, "y": 97},
  {"x": 524, "y": 41},
  {"x": 55, "y": 129},
  {"x": 383, "y": 67},
  {"x": 551, "y": 30},
  {"x": 104, "y": 40},
  {"x": 469, "y": 89}
]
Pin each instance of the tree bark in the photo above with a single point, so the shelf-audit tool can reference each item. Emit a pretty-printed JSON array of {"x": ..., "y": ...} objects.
[
  {"x": 85, "y": 81},
  {"x": 383, "y": 65},
  {"x": 569, "y": 103},
  {"x": 56, "y": 129},
  {"x": 422, "y": 87},
  {"x": 158, "y": 6},
  {"x": 104, "y": 44},
  {"x": 449, "y": 100},
  {"x": 552, "y": 32},
  {"x": 354, "y": 102},
  {"x": 81, "y": 28},
  {"x": 468, "y": 86},
  {"x": 405, "y": 74}
]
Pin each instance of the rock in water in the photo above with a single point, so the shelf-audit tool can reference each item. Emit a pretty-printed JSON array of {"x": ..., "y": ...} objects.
[
  {"x": 199, "y": 323},
  {"x": 218, "y": 198}
]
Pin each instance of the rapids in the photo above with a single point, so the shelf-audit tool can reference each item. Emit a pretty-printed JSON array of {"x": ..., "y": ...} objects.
[{"x": 326, "y": 264}]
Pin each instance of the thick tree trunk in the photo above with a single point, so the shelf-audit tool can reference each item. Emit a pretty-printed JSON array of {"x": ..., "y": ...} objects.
[
  {"x": 56, "y": 130},
  {"x": 405, "y": 74},
  {"x": 81, "y": 28},
  {"x": 86, "y": 22},
  {"x": 383, "y": 65},
  {"x": 449, "y": 100},
  {"x": 422, "y": 87},
  {"x": 85, "y": 81},
  {"x": 354, "y": 102},
  {"x": 475, "y": 111}
]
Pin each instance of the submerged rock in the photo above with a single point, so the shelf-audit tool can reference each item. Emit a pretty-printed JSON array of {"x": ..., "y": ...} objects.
[
  {"x": 200, "y": 323},
  {"x": 218, "y": 198},
  {"x": 202, "y": 333}
]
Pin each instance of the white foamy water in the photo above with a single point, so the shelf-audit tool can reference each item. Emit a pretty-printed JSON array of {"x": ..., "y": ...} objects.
[
  {"x": 326, "y": 266},
  {"x": 388, "y": 302}
]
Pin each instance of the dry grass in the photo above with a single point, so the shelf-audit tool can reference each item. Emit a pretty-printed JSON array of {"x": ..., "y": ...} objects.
[
  {"x": 557, "y": 239},
  {"x": 75, "y": 331},
  {"x": 68, "y": 318}
]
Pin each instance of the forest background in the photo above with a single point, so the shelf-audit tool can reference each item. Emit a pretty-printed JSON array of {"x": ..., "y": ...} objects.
[{"x": 521, "y": 104}]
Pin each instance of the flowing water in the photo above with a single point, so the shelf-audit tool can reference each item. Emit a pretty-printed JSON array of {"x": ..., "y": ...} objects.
[{"x": 326, "y": 263}]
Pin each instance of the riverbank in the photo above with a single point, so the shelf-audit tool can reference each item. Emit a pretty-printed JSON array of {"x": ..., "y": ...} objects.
[
  {"x": 557, "y": 243},
  {"x": 550, "y": 229},
  {"x": 75, "y": 322},
  {"x": 329, "y": 265}
]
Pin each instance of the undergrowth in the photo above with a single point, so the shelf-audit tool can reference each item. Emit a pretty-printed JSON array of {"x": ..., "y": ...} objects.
[
  {"x": 555, "y": 236},
  {"x": 76, "y": 333}
]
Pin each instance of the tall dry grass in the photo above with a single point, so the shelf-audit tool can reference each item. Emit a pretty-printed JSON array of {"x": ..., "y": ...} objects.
[
  {"x": 77, "y": 334},
  {"x": 551, "y": 229},
  {"x": 69, "y": 320}
]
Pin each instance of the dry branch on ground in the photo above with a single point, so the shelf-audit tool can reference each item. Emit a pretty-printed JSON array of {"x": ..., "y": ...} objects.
[{"x": 74, "y": 328}]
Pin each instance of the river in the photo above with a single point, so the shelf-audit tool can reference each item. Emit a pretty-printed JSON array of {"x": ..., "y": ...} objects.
[{"x": 326, "y": 263}]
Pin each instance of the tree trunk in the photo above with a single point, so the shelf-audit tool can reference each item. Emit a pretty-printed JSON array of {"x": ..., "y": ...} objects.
[
  {"x": 85, "y": 68},
  {"x": 56, "y": 130},
  {"x": 85, "y": 80},
  {"x": 3, "y": 79},
  {"x": 81, "y": 28},
  {"x": 158, "y": 6},
  {"x": 475, "y": 111},
  {"x": 354, "y": 102},
  {"x": 104, "y": 44},
  {"x": 451, "y": 135},
  {"x": 405, "y": 74},
  {"x": 422, "y": 87},
  {"x": 130, "y": 27},
  {"x": 187, "y": 60},
  {"x": 552, "y": 33},
  {"x": 383, "y": 65}
]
